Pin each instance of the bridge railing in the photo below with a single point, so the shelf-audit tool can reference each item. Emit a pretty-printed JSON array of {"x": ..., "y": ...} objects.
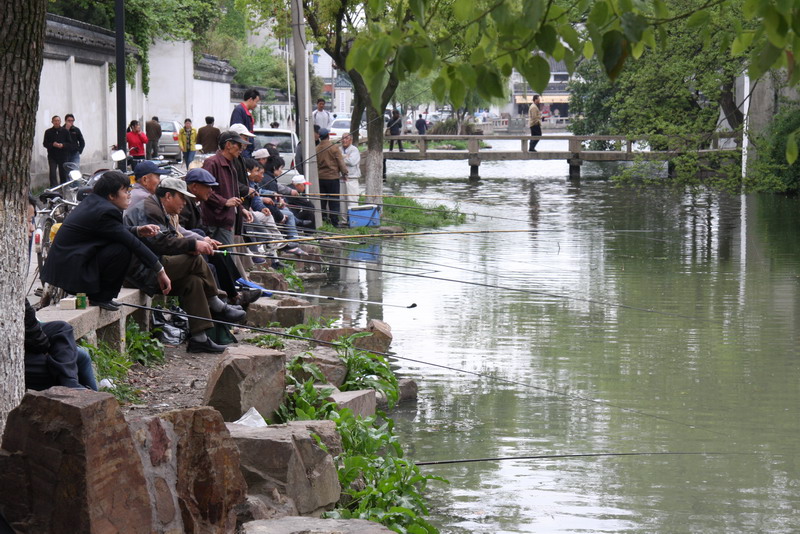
[{"x": 620, "y": 143}]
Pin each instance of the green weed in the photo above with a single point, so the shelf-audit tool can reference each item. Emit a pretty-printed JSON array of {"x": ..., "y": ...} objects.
[
  {"x": 305, "y": 329},
  {"x": 366, "y": 370},
  {"x": 269, "y": 341},
  {"x": 141, "y": 346},
  {"x": 295, "y": 282}
]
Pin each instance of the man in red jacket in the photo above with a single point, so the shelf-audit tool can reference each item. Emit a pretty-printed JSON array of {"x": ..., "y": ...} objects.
[{"x": 219, "y": 211}]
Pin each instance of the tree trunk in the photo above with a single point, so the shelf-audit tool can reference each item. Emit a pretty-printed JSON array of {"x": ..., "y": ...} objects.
[
  {"x": 374, "y": 159},
  {"x": 727, "y": 101},
  {"x": 22, "y": 35}
]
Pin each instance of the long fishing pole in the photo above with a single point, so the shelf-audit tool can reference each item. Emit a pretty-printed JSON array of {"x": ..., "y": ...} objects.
[
  {"x": 375, "y": 236},
  {"x": 303, "y": 260},
  {"x": 441, "y": 366},
  {"x": 583, "y": 455},
  {"x": 327, "y": 297}
]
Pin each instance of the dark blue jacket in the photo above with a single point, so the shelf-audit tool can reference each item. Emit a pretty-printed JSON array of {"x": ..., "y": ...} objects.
[{"x": 240, "y": 116}]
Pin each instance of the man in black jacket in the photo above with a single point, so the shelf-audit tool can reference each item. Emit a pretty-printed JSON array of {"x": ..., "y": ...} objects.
[
  {"x": 56, "y": 140},
  {"x": 76, "y": 142},
  {"x": 51, "y": 356},
  {"x": 92, "y": 250}
]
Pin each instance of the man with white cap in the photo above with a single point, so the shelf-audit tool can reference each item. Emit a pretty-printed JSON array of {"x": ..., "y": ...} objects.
[
  {"x": 192, "y": 280},
  {"x": 302, "y": 208}
]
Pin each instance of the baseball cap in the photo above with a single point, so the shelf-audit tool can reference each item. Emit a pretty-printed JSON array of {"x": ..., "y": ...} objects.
[
  {"x": 241, "y": 129},
  {"x": 201, "y": 176},
  {"x": 300, "y": 179},
  {"x": 323, "y": 132},
  {"x": 176, "y": 184},
  {"x": 261, "y": 153},
  {"x": 148, "y": 167},
  {"x": 231, "y": 136}
]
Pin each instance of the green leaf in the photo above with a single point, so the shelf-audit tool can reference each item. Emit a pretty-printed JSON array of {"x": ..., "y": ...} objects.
[
  {"x": 439, "y": 88},
  {"x": 775, "y": 27},
  {"x": 649, "y": 38},
  {"x": 458, "y": 91},
  {"x": 615, "y": 51},
  {"x": 791, "y": 148},
  {"x": 588, "y": 50},
  {"x": 698, "y": 18},
  {"x": 633, "y": 25},
  {"x": 546, "y": 39},
  {"x": 537, "y": 72},
  {"x": 570, "y": 35},
  {"x": 417, "y": 9},
  {"x": 750, "y": 8},
  {"x": 637, "y": 50},
  {"x": 462, "y": 10},
  {"x": 660, "y": 8},
  {"x": 532, "y": 12},
  {"x": 599, "y": 14},
  {"x": 741, "y": 43}
]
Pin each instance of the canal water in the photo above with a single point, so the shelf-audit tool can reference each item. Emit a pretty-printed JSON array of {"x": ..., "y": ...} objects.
[{"x": 631, "y": 320}]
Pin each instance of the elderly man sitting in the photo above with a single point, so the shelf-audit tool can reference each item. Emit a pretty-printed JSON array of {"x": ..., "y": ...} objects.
[{"x": 191, "y": 277}]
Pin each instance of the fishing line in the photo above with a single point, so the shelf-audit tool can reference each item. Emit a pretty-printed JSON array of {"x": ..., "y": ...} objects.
[
  {"x": 326, "y": 297},
  {"x": 583, "y": 455},
  {"x": 441, "y": 366},
  {"x": 315, "y": 262}
]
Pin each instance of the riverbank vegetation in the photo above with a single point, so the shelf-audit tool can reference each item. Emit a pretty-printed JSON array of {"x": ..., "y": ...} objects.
[{"x": 378, "y": 483}]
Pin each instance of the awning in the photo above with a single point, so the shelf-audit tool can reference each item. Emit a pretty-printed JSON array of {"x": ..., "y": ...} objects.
[{"x": 545, "y": 99}]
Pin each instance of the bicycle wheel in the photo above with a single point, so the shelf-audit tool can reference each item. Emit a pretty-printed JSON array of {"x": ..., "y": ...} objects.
[{"x": 44, "y": 247}]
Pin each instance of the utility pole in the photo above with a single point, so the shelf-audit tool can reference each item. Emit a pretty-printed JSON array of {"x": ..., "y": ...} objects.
[
  {"x": 304, "y": 124},
  {"x": 119, "y": 23}
]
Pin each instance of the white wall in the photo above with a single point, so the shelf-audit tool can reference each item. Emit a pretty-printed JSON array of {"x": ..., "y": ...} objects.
[
  {"x": 211, "y": 98},
  {"x": 172, "y": 82}
]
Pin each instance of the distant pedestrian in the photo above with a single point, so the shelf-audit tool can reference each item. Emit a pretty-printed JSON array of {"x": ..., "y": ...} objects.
[
  {"x": 535, "y": 122},
  {"x": 76, "y": 142},
  {"x": 421, "y": 125},
  {"x": 55, "y": 141},
  {"x": 394, "y": 126},
  {"x": 187, "y": 138},
  {"x": 208, "y": 136},
  {"x": 330, "y": 169},
  {"x": 322, "y": 117},
  {"x": 243, "y": 114},
  {"x": 153, "y": 130},
  {"x": 136, "y": 141}
]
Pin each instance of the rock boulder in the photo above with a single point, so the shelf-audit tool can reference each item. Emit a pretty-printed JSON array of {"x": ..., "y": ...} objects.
[{"x": 308, "y": 525}]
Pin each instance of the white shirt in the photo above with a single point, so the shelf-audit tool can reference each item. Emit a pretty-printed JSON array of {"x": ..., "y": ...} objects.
[
  {"x": 323, "y": 118},
  {"x": 352, "y": 160}
]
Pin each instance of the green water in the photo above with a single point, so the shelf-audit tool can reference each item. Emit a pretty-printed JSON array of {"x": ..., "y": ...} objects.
[{"x": 639, "y": 321}]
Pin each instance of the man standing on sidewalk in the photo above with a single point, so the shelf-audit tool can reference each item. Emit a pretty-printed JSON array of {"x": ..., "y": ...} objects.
[
  {"x": 153, "y": 131},
  {"x": 76, "y": 142},
  {"x": 56, "y": 140}
]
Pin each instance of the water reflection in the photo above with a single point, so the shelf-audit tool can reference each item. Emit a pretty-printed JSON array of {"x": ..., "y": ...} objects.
[{"x": 643, "y": 320}]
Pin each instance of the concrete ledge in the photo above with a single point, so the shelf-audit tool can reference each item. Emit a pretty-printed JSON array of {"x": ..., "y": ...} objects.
[{"x": 94, "y": 323}]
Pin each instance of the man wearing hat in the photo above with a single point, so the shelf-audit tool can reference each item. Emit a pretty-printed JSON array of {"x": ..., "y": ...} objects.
[
  {"x": 148, "y": 176},
  {"x": 262, "y": 155},
  {"x": 302, "y": 208},
  {"x": 192, "y": 280},
  {"x": 247, "y": 135},
  {"x": 219, "y": 210}
]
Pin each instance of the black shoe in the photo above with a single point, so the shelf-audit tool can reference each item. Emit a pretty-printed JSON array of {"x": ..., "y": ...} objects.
[
  {"x": 204, "y": 346},
  {"x": 276, "y": 264},
  {"x": 229, "y": 314},
  {"x": 247, "y": 296},
  {"x": 109, "y": 305}
]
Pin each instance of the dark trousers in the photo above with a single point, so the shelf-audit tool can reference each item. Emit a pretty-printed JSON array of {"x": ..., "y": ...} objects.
[
  {"x": 535, "y": 130},
  {"x": 399, "y": 144},
  {"x": 193, "y": 284},
  {"x": 329, "y": 204},
  {"x": 114, "y": 260},
  {"x": 151, "y": 149},
  {"x": 56, "y": 167}
]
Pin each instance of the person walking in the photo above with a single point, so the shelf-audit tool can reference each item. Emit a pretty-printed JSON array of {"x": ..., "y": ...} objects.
[
  {"x": 322, "y": 117},
  {"x": 187, "y": 138},
  {"x": 152, "y": 129},
  {"x": 208, "y": 136},
  {"x": 394, "y": 126},
  {"x": 243, "y": 114},
  {"x": 76, "y": 142},
  {"x": 56, "y": 139},
  {"x": 136, "y": 141},
  {"x": 535, "y": 122},
  {"x": 421, "y": 125},
  {"x": 330, "y": 168}
]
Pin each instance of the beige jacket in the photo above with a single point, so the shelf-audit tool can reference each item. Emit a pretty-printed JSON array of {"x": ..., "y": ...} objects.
[
  {"x": 534, "y": 115},
  {"x": 330, "y": 162}
]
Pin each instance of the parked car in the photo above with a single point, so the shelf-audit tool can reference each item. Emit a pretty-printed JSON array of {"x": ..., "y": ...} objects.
[
  {"x": 339, "y": 127},
  {"x": 168, "y": 144},
  {"x": 285, "y": 141}
]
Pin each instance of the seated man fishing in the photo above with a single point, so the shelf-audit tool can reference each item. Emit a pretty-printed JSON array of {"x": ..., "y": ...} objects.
[{"x": 192, "y": 281}]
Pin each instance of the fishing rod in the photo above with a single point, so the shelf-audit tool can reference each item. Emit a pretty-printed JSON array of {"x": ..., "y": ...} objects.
[
  {"x": 326, "y": 297},
  {"x": 303, "y": 260},
  {"x": 375, "y": 236},
  {"x": 441, "y": 366},
  {"x": 582, "y": 455}
]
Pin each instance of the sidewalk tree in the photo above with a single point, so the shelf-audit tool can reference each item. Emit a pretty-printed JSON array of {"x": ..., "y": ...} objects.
[{"x": 22, "y": 35}]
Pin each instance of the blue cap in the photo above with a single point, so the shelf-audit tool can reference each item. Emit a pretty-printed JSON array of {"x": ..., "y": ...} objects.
[
  {"x": 148, "y": 167},
  {"x": 201, "y": 176},
  {"x": 323, "y": 132}
]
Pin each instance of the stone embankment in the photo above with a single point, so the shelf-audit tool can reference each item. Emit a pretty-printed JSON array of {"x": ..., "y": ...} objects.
[{"x": 71, "y": 461}]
